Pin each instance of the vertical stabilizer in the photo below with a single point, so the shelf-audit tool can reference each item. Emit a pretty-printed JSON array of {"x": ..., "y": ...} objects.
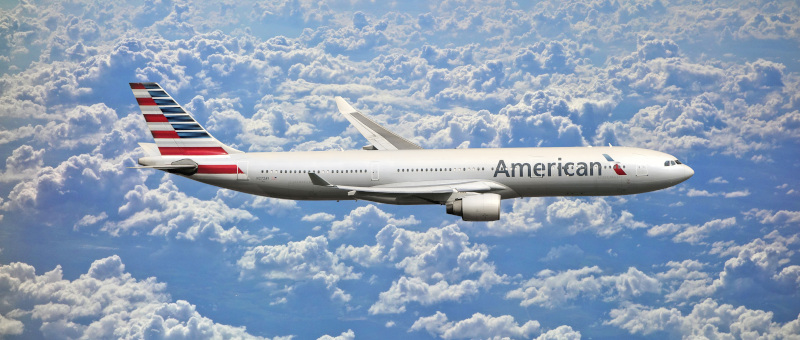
[{"x": 175, "y": 131}]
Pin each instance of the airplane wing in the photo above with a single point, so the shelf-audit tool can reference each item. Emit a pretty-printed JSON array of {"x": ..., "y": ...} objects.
[
  {"x": 418, "y": 188},
  {"x": 380, "y": 137}
]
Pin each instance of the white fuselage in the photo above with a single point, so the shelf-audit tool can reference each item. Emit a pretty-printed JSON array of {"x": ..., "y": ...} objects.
[{"x": 522, "y": 172}]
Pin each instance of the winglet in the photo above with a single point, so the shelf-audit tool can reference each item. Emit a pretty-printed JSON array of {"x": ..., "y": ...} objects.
[
  {"x": 343, "y": 106},
  {"x": 380, "y": 137},
  {"x": 318, "y": 180}
]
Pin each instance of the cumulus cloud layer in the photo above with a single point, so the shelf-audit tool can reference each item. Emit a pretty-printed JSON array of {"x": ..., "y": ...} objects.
[
  {"x": 713, "y": 83},
  {"x": 105, "y": 302}
]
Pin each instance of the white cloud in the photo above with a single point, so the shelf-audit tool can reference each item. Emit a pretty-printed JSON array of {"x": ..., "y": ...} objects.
[
  {"x": 274, "y": 206},
  {"x": 106, "y": 302},
  {"x": 479, "y": 326},
  {"x": 560, "y": 333},
  {"x": 308, "y": 259},
  {"x": 783, "y": 217},
  {"x": 347, "y": 335},
  {"x": 704, "y": 193},
  {"x": 318, "y": 217},
  {"x": 686, "y": 280},
  {"x": 554, "y": 289},
  {"x": 757, "y": 264},
  {"x": 54, "y": 188},
  {"x": 369, "y": 216},
  {"x": 740, "y": 193},
  {"x": 707, "y": 319},
  {"x": 718, "y": 180},
  {"x": 24, "y": 162},
  {"x": 440, "y": 264},
  {"x": 694, "y": 234},
  {"x": 563, "y": 252},
  {"x": 83, "y": 125},
  {"x": 169, "y": 212},
  {"x": 10, "y": 326},
  {"x": 593, "y": 215}
]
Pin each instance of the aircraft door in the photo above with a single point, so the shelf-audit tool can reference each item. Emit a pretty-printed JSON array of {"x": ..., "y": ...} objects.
[
  {"x": 241, "y": 175},
  {"x": 374, "y": 170},
  {"x": 641, "y": 170}
]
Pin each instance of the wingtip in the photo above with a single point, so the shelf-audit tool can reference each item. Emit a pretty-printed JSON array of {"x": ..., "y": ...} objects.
[{"x": 343, "y": 106}]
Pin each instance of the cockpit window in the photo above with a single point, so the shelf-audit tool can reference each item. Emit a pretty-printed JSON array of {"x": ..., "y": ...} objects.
[
  {"x": 678, "y": 162},
  {"x": 672, "y": 163},
  {"x": 666, "y": 163}
]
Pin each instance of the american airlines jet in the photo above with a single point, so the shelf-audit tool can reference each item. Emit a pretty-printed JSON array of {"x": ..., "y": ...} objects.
[{"x": 469, "y": 182}]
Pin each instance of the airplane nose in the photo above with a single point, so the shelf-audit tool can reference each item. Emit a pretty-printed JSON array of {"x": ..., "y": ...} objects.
[{"x": 688, "y": 172}]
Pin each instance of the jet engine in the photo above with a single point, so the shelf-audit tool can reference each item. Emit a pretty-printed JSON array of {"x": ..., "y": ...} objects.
[{"x": 479, "y": 207}]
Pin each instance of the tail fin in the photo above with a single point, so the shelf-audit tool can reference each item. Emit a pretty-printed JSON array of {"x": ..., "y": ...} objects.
[{"x": 175, "y": 131}]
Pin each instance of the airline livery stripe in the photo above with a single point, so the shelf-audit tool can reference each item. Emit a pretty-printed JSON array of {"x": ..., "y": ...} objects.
[
  {"x": 219, "y": 169},
  {"x": 155, "y": 118},
  {"x": 159, "y": 126},
  {"x": 186, "y": 126},
  {"x": 199, "y": 134},
  {"x": 157, "y": 94},
  {"x": 188, "y": 142},
  {"x": 165, "y": 101},
  {"x": 146, "y": 101},
  {"x": 171, "y": 110},
  {"x": 179, "y": 119},
  {"x": 164, "y": 134},
  {"x": 144, "y": 86},
  {"x": 193, "y": 151}
]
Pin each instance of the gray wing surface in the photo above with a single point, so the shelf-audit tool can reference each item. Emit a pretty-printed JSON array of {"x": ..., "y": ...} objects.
[
  {"x": 380, "y": 137},
  {"x": 419, "y": 188}
]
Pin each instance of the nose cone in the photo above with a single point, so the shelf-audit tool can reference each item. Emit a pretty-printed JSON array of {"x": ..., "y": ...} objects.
[{"x": 687, "y": 172}]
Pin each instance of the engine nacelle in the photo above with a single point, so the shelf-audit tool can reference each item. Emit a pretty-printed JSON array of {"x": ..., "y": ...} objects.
[{"x": 480, "y": 207}]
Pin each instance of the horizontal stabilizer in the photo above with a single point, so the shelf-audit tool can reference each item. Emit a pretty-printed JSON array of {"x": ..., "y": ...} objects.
[
  {"x": 183, "y": 166},
  {"x": 165, "y": 167},
  {"x": 150, "y": 149}
]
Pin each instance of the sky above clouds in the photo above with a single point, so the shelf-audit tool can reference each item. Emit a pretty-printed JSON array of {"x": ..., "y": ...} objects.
[{"x": 91, "y": 249}]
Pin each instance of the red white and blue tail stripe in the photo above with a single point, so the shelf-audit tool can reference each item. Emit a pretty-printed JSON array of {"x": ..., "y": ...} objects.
[{"x": 175, "y": 131}]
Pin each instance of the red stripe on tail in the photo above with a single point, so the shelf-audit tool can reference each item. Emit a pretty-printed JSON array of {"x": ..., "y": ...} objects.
[
  {"x": 165, "y": 134},
  {"x": 146, "y": 101},
  {"x": 155, "y": 119}
]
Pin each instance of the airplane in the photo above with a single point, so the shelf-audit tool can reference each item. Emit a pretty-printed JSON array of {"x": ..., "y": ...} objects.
[{"x": 470, "y": 183}]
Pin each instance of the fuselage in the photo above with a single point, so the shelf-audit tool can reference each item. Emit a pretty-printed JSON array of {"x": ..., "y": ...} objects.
[{"x": 521, "y": 172}]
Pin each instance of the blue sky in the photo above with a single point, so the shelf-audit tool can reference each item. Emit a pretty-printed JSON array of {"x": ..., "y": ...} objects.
[{"x": 91, "y": 249}]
